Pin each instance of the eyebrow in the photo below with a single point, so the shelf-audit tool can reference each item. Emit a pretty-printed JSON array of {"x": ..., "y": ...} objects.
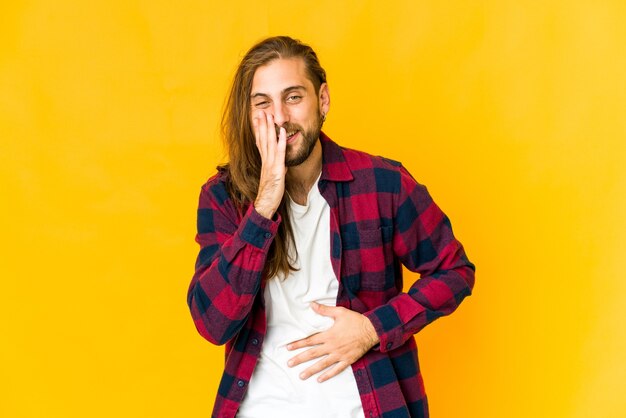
[{"x": 285, "y": 91}]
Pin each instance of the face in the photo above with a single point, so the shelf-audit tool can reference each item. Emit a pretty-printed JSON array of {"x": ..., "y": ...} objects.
[{"x": 282, "y": 89}]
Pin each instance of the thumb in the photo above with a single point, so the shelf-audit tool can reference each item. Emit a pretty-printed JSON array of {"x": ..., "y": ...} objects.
[{"x": 324, "y": 310}]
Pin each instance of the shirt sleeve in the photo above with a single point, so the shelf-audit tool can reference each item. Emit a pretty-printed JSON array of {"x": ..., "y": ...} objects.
[
  {"x": 230, "y": 264},
  {"x": 423, "y": 241}
]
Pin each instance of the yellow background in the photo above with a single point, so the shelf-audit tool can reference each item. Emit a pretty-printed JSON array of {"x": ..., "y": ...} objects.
[{"x": 513, "y": 113}]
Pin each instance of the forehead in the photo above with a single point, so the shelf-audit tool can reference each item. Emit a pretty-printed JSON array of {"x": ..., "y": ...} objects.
[{"x": 280, "y": 74}]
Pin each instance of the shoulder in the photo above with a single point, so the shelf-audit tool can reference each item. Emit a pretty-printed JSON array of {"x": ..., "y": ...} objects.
[
  {"x": 221, "y": 177},
  {"x": 215, "y": 189},
  {"x": 358, "y": 160},
  {"x": 387, "y": 174}
]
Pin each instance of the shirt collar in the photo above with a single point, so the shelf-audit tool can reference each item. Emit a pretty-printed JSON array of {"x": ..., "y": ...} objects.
[{"x": 334, "y": 165}]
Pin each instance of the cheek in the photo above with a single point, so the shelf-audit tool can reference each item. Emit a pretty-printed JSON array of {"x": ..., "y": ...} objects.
[{"x": 311, "y": 115}]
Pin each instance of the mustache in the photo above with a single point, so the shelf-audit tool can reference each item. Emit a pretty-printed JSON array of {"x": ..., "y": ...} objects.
[{"x": 288, "y": 128}]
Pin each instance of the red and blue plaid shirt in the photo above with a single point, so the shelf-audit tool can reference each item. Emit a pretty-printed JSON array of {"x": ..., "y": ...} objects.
[{"x": 381, "y": 219}]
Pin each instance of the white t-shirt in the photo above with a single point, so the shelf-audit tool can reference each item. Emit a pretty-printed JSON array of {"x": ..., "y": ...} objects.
[{"x": 275, "y": 390}]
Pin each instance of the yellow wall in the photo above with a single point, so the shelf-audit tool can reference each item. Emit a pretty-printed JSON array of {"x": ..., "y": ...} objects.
[{"x": 512, "y": 112}]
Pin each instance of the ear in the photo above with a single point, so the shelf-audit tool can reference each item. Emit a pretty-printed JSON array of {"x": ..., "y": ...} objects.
[{"x": 324, "y": 98}]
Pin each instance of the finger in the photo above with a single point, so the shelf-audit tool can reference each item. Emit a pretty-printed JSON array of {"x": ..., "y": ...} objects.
[
  {"x": 319, "y": 366},
  {"x": 308, "y": 355},
  {"x": 282, "y": 145},
  {"x": 309, "y": 341},
  {"x": 271, "y": 138},
  {"x": 333, "y": 371},
  {"x": 325, "y": 310},
  {"x": 255, "y": 126},
  {"x": 262, "y": 121}
]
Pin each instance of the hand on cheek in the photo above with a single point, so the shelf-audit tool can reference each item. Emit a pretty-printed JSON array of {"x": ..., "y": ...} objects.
[{"x": 273, "y": 170}]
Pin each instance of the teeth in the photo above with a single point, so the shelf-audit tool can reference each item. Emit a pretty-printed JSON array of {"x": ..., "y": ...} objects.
[{"x": 289, "y": 134}]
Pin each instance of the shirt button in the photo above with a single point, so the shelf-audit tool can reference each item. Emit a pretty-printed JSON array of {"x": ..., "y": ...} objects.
[
  {"x": 255, "y": 341},
  {"x": 240, "y": 383},
  {"x": 388, "y": 346},
  {"x": 268, "y": 235},
  {"x": 359, "y": 372}
]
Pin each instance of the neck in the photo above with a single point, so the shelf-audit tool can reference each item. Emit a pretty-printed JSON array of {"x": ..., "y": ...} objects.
[{"x": 301, "y": 178}]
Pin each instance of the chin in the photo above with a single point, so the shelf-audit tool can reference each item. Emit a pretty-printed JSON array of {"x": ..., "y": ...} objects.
[
  {"x": 296, "y": 160},
  {"x": 297, "y": 157}
]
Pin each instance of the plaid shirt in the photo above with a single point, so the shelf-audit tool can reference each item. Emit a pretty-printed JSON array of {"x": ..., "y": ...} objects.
[{"x": 380, "y": 219}]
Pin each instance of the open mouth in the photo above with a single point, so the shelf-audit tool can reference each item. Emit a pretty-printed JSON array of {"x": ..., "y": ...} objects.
[{"x": 291, "y": 135}]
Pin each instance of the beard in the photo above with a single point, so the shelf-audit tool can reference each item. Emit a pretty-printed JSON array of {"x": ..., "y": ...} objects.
[{"x": 294, "y": 157}]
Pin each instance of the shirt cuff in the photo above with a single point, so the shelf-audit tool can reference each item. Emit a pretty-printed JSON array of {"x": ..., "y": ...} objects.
[
  {"x": 259, "y": 231},
  {"x": 390, "y": 321},
  {"x": 388, "y": 327}
]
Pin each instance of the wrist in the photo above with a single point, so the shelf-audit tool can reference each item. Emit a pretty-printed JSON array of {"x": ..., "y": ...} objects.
[
  {"x": 263, "y": 210},
  {"x": 371, "y": 333}
]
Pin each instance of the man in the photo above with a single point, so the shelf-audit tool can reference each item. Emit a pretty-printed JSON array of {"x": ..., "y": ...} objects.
[{"x": 302, "y": 242}]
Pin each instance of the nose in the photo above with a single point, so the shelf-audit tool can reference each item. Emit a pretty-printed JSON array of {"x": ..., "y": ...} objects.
[{"x": 281, "y": 114}]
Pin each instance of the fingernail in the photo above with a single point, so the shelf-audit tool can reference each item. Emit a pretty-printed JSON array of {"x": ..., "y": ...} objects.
[
  {"x": 290, "y": 363},
  {"x": 289, "y": 346},
  {"x": 303, "y": 376}
]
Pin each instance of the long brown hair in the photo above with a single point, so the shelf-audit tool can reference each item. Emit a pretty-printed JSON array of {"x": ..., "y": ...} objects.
[{"x": 244, "y": 165}]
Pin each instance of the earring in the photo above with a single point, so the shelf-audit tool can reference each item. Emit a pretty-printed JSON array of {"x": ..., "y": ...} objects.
[{"x": 323, "y": 117}]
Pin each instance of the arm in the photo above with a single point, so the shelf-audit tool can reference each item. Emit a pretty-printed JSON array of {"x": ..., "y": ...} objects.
[
  {"x": 233, "y": 253},
  {"x": 229, "y": 266},
  {"x": 423, "y": 241}
]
